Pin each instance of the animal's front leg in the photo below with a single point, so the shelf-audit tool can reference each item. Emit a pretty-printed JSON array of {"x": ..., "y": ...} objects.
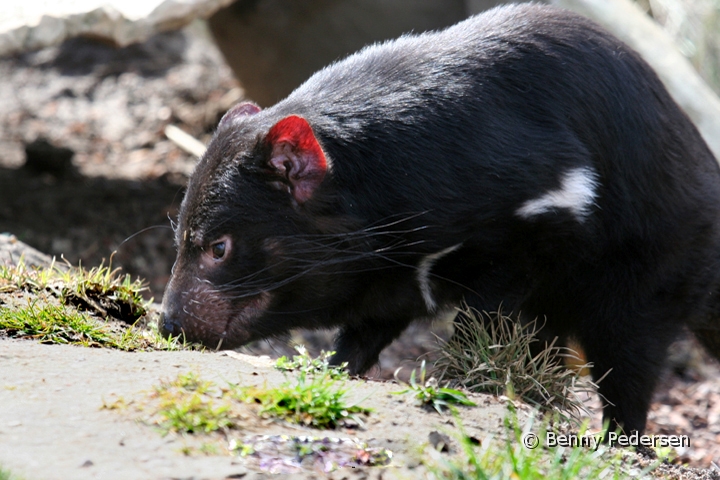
[{"x": 360, "y": 345}]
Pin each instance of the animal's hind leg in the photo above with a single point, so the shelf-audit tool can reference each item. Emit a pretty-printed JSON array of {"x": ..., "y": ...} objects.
[
  {"x": 631, "y": 351},
  {"x": 709, "y": 337},
  {"x": 707, "y": 328}
]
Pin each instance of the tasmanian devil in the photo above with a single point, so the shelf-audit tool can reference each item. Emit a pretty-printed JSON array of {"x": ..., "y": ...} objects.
[{"x": 523, "y": 157}]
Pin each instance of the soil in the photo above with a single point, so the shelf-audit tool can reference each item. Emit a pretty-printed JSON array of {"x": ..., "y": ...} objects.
[
  {"x": 60, "y": 429},
  {"x": 86, "y": 173}
]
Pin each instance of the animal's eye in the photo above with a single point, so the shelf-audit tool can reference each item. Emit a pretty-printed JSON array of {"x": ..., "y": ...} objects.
[{"x": 217, "y": 250}]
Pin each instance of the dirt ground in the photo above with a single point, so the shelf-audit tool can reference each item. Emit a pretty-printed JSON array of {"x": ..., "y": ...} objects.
[
  {"x": 108, "y": 107},
  {"x": 60, "y": 429}
]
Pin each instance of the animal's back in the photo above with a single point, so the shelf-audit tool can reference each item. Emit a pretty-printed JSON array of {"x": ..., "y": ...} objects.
[{"x": 518, "y": 95}]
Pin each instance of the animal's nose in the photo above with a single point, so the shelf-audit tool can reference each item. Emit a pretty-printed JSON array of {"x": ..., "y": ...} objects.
[{"x": 168, "y": 327}]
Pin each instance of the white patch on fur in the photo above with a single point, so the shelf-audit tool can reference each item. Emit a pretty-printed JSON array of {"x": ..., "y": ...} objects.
[
  {"x": 577, "y": 193},
  {"x": 423, "y": 276}
]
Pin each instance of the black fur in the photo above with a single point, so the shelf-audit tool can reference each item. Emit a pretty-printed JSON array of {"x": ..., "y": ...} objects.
[{"x": 435, "y": 141}]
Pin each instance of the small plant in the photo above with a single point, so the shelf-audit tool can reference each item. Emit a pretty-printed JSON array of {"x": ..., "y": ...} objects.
[
  {"x": 428, "y": 393},
  {"x": 117, "y": 404},
  {"x": 316, "y": 399},
  {"x": 206, "y": 448},
  {"x": 190, "y": 405},
  {"x": 303, "y": 363},
  {"x": 313, "y": 400},
  {"x": 492, "y": 353}
]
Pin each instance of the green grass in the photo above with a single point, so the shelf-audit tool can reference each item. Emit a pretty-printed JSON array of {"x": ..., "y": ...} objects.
[
  {"x": 188, "y": 404},
  {"x": 315, "y": 398},
  {"x": 54, "y": 324},
  {"x": 207, "y": 448},
  {"x": 63, "y": 304},
  {"x": 507, "y": 457},
  {"x": 316, "y": 401},
  {"x": 430, "y": 394},
  {"x": 101, "y": 290},
  {"x": 493, "y": 353},
  {"x": 6, "y": 474},
  {"x": 305, "y": 364},
  {"x": 48, "y": 322},
  {"x": 191, "y": 405}
]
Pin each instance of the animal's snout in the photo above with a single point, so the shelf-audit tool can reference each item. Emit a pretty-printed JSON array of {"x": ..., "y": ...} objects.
[{"x": 168, "y": 326}]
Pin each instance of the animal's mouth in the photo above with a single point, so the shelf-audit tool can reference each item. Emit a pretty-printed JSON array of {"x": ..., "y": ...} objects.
[{"x": 239, "y": 328}]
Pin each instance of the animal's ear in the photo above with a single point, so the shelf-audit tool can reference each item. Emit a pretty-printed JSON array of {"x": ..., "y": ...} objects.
[
  {"x": 239, "y": 110},
  {"x": 296, "y": 156}
]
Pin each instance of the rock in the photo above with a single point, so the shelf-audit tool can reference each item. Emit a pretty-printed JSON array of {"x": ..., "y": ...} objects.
[
  {"x": 275, "y": 45},
  {"x": 33, "y": 24},
  {"x": 440, "y": 441},
  {"x": 12, "y": 250}
]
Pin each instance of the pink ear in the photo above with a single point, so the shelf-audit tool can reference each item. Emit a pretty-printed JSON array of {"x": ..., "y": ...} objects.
[
  {"x": 297, "y": 156},
  {"x": 239, "y": 110}
]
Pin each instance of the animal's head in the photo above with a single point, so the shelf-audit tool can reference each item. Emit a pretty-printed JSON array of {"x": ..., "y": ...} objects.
[{"x": 252, "y": 192}]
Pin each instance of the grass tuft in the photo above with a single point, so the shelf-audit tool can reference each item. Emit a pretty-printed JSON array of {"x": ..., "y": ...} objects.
[
  {"x": 101, "y": 290},
  {"x": 64, "y": 304},
  {"x": 314, "y": 401},
  {"x": 430, "y": 394},
  {"x": 191, "y": 405},
  {"x": 54, "y": 324},
  {"x": 492, "y": 353},
  {"x": 316, "y": 398}
]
